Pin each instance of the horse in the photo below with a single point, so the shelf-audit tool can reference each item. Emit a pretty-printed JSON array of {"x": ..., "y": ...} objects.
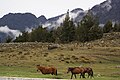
[
  {"x": 76, "y": 70},
  {"x": 89, "y": 71},
  {"x": 47, "y": 70}
]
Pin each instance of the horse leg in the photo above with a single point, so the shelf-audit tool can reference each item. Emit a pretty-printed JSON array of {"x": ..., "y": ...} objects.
[
  {"x": 80, "y": 75},
  {"x": 83, "y": 75},
  {"x": 92, "y": 74},
  {"x": 71, "y": 76},
  {"x": 56, "y": 72},
  {"x": 75, "y": 76},
  {"x": 88, "y": 75},
  {"x": 52, "y": 73}
]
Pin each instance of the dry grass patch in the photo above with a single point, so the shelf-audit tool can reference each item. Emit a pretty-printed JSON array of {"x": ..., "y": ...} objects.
[{"x": 103, "y": 60}]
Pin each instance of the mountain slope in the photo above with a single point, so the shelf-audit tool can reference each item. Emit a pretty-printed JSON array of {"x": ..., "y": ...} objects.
[
  {"x": 108, "y": 10},
  {"x": 19, "y": 21},
  {"x": 42, "y": 19}
]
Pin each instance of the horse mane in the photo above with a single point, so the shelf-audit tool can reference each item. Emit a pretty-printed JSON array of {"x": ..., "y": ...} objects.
[{"x": 71, "y": 68}]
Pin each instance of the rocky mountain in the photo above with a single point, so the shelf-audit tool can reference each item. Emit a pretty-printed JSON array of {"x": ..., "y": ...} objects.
[
  {"x": 42, "y": 19},
  {"x": 11, "y": 24},
  {"x": 108, "y": 10},
  {"x": 19, "y": 21}
]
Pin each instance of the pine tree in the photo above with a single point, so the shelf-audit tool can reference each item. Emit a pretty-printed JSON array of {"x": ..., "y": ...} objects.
[
  {"x": 39, "y": 34},
  {"x": 116, "y": 27},
  {"x": 95, "y": 32},
  {"x": 8, "y": 39},
  {"x": 57, "y": 34},
  {"x": 88, "y": 28},
  {"x": 68, "y": 30},
  {"x": 50, "y": 36},
  {"x": 107, "y": 27},
  {"x": 22, "y": 38}
]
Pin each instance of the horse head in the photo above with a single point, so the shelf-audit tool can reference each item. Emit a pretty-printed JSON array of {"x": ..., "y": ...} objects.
[{"x": 69, "y": 69}]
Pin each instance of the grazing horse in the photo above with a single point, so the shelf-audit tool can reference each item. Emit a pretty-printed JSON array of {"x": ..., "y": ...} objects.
[
  {"x": 47, "y": 70},
  {"x": 89, "y": 71},
  {"x": 76, "y": 70}
]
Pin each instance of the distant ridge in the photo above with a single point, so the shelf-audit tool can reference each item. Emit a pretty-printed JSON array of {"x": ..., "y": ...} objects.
[
  {"x": 19, "y": 21},
  {"x": 108, "y": 10}
]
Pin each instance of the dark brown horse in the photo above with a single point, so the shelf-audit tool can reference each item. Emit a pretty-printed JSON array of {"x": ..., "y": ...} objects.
[
  {"x": 47, "y": 70},
  {"x": 76, "y": 70},
  {"x": 89, "y": 71}
]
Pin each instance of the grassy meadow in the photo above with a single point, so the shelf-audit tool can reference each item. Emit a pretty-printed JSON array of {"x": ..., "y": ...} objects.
[{"x": 20, "y": 60}]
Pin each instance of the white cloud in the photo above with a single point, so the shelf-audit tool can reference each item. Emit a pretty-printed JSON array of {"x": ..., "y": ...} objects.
[
  {"x": 14, "y": 33},
  {"x": 71, "y": 14},
  {"x": 57, "y": 23},
  {"x": 60, "y": 20},
  {"x": 29, "y": 30},
  {"x": 46, "y": 25}
]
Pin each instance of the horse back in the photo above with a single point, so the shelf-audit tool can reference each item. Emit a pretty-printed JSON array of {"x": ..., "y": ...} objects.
[
  {"x": 77, "y": 70},
  {"x": 89, "y": 69}
]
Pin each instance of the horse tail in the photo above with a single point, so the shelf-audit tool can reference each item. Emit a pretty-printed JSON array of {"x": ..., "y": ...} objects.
[
  {"x": 91, "y": 73},
  {"x": 56, "y": 72}
]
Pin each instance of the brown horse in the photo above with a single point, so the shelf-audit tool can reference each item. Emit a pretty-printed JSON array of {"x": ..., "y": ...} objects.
[
  {"x": 76, "y": 70},
  {"x": 89, "y": 71},
  {"x": 47, "y": 70}
]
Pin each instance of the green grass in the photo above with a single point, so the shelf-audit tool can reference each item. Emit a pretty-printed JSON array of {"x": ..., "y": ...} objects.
[
  {"x": 14, "y": 71},
  {"x": 21, "y": 62}
]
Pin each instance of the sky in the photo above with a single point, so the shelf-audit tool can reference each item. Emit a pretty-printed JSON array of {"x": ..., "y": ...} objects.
[{"x": 48, "y": 8}]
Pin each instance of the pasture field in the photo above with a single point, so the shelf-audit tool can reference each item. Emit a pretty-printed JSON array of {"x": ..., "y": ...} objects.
[{"x": 20, "y": 60}]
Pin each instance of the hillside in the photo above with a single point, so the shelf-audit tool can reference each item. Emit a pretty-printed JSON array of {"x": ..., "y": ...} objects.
[
  {"x": 108, "y": 10},
  {"x": 19, "y": 21},
  {"x": 108, "y": 40},
  {"x": 20, "y": 59}
]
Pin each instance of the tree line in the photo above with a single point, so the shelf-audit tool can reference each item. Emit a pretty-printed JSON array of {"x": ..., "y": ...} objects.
[{"x": 87, "y": 29}]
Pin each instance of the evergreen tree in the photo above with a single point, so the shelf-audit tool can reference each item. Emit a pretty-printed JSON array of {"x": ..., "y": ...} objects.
[
  {"x": 57, "y": 34},
  {"x": 50, "y": 36},
  {"x": 95, "y": 32},
  {"x": 39, "y": 34},
  {"x": 107, "y": 27},
  {"x": 22, "y": 38},
  {"x": 88, "y": 28},
  {"x": 68, "y": 30},
  {"x": 8, "y": 39},
  {"x": 116, "y": 27}
]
